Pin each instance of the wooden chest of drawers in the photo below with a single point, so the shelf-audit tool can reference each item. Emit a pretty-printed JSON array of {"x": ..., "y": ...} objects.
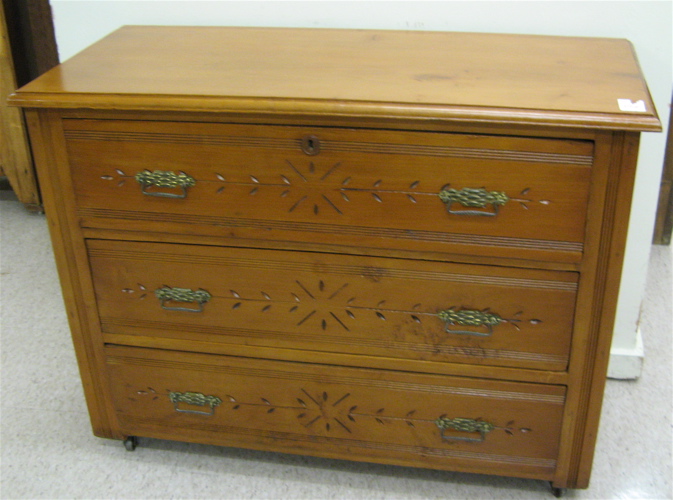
[{"x": 384, "y": 246}]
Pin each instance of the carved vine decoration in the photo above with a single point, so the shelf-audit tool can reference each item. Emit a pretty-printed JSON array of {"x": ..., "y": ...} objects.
[{"x": 321, "y": 412}]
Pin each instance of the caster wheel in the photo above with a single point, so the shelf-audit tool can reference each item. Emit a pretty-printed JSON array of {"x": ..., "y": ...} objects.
[
  {"x": 130, "y": 443},
  {"x": 557, "y": 492}
]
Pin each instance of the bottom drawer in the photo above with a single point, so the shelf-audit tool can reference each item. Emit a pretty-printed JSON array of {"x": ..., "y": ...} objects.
[{"x": 411, "y": 419}]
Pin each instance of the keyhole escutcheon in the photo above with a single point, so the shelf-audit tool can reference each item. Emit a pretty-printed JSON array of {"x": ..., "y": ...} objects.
[{"x": 310, "y": 144}]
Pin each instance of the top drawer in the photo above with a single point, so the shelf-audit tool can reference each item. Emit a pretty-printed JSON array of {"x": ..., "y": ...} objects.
[{"x": 477, "y": 194}]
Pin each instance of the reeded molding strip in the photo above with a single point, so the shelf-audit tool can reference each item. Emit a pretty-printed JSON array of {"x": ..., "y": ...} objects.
[
  {"x": 167, "y": 138},
  {"x": 340, "y": 146},
  {"x": 469, "y": 352},
  {"x": 333, "y": 379},
  {"x": 335, "y": 269},
  {"x": 545, "y": 463},
  {"x": 404, "y": 234},
  {"x": 457, "y": 152}
]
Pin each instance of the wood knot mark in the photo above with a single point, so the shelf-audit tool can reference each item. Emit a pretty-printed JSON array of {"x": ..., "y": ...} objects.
[{"x": 373, "y": 273}]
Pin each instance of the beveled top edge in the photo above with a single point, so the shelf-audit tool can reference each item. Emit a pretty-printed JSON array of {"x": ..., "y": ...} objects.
[{"x": 344, "y": 109}]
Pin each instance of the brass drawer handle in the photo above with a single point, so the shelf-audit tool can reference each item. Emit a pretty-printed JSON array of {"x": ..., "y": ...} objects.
[
  {"x": 168, "y": 294},
  {"x": 468, "y": 317},
  {"x": 164, "y": 179},
  {"x": 473, "y": 198},
  {"x": 464, "y": 425},
  {"x": 194, "y": 399}
]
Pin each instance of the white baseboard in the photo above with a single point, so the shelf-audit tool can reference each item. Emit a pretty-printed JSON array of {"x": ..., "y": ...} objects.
[{"x": 627, "y": 364}]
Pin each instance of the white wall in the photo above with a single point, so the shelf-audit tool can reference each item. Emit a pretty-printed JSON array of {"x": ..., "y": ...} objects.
[{"x": 648, "y": 24}]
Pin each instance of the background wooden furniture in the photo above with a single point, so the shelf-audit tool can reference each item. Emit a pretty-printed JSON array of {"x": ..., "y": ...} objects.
[
  {"x": 388, "y": 246},
  {"x": 27, "y": 49}
]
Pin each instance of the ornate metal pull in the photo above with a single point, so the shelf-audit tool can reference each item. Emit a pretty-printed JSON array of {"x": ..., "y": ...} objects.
[
  {"x": 164, "y": 179},
  {"x": 464, "y": 425},
  {"x": 194, "y": 399},
  {"x": 467, "y": 317},
  {"x": 473, "y": 197},
  {"x": 167, "y": 294}
]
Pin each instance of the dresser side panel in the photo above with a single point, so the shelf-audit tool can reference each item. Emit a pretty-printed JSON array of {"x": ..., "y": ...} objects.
[
  {"x": 613, "y": 242},
  {"x": 72, "y": 264},
  {"x": 597, "y": 299}
]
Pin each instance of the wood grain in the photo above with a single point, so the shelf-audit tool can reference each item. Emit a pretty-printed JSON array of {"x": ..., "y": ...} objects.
[
  {"x": 71, "y": 260},
  {"x": 336, "y": 303},
  {"x": 375, "y": 413},
  {"x": 493, "y": 78},
  {"x": 315, "y": 225},
  {"x": 371, "y": 186}
]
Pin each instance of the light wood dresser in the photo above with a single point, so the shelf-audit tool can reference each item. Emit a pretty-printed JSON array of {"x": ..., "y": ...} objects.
[{"x": 395, "y": 247}]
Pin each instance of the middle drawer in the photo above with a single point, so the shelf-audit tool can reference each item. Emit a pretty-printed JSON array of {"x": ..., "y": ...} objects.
[{"x": 336, "y": 303}]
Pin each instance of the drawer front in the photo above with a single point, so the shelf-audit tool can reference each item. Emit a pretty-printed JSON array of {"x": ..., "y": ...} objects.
[
  {"x": 488, "y": 195},
  {"x": 392, "y": 417},
  {"x": 336, "y": 303}
]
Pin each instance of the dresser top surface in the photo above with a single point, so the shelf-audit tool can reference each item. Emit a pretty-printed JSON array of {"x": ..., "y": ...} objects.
[{"x": 588, "y": 82}]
